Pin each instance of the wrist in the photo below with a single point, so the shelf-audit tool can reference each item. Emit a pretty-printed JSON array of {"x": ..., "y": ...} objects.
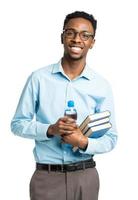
[
  {"x": 50, "y": 131},
  {"x": 83, "y": 142}
]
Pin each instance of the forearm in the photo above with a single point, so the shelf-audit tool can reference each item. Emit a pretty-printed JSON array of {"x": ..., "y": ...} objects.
[
  {"x": 101, "y": 145},
  {"x": 30, "y": 129}
]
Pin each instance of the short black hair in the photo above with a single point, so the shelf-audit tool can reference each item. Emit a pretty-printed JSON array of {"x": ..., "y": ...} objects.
[{"x": 81, "y": 14}]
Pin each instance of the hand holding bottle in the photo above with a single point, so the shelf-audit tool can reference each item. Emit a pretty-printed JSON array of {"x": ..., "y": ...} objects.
[
  {"x": 76, "y": 137},
  {"x": 64, "y": 126}
]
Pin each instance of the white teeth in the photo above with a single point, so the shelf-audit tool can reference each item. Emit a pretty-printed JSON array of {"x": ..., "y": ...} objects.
[{"x": 76, "y": 49}]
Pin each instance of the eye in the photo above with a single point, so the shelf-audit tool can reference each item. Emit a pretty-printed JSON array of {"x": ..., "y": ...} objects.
[
  {"x": 85, "y": 35},
  {"x": 69, "y": 33}
]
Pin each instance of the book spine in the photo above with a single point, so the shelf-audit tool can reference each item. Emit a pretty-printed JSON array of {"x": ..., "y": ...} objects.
[
  {"x": 94, "y": 117},
  {"x": 95, "y": 123}
]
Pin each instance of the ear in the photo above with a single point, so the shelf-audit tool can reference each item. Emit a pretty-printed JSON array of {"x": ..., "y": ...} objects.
[
  {"x": 62, "y": 38},
  {"x": 93, "y": 41}
]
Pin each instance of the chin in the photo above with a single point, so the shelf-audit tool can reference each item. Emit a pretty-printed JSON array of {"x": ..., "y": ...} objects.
[{"x": 75, "y": 57}]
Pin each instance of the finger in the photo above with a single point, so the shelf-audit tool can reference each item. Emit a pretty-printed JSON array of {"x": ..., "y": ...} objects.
[
  {"x": 62, "y": 124},
  {"x": 67, "y": 119},
  {"x": 65, "y": 132},
  {"x": 67, "y": 126}
]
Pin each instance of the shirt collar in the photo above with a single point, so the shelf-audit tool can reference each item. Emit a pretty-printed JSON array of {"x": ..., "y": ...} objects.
[
  {"x": 87, "y": 72},
  {"x": 57, "y": 68}
]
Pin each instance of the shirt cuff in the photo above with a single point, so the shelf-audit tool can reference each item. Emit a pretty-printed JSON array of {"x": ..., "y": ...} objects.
[
  {"x": 42, "y": 132},
  {"x": 89, "y": 150}
]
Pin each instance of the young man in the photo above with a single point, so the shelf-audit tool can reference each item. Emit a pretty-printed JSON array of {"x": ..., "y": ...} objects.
[{"x": 60, "y": 172}]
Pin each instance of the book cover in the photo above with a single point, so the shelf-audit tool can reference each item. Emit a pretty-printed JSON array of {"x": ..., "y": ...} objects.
[
  {"x": 94, "y": 117},
  {"x": 98, "y": 131}
]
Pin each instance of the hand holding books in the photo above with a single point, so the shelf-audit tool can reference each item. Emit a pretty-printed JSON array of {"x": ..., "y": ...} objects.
[{"x": 95, "y": 125}]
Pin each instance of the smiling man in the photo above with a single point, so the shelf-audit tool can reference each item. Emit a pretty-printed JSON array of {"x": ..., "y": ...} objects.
[
  {"x": 60, "y": 172},
  {"x": 78, "y": 38}
]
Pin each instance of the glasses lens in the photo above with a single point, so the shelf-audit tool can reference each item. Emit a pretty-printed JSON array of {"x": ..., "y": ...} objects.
[
  {"x": 69, "y": 34},
  {"x": 84, "y": 36}
]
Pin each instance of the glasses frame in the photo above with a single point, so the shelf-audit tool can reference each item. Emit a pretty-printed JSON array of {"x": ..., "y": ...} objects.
[{"x": 77, "y": 32}]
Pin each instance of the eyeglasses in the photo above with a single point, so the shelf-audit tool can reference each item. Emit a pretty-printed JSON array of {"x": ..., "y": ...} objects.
[{"x": 71, "y": 34}]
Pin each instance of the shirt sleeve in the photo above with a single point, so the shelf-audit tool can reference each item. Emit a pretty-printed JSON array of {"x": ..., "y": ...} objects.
[
  {"x": 23, "y": 123},
  {"x": 108, "y": 141}
]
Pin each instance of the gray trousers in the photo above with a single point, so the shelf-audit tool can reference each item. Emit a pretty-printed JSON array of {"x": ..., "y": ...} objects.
[{"x": 76, "y": 185}]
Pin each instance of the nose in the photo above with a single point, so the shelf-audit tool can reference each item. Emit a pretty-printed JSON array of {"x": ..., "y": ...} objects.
[{"x": 77, "y": 37}]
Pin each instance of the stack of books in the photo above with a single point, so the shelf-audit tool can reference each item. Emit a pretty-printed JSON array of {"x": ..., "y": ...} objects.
[{"x": 95, "y": 125}]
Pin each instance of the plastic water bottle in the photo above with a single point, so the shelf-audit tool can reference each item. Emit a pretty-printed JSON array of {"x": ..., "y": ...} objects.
[{"x": 71, "y": 111}]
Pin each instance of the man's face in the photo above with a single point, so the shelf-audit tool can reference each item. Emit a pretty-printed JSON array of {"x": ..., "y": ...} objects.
[{"x": 77, "y": 47}]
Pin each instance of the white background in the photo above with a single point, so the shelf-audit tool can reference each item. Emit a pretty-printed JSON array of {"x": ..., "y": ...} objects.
[{"x": 30, "y": 39}]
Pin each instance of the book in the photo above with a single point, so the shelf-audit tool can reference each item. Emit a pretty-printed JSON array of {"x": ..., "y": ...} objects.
[
  {"x": 94, "y": 117},
  {"x": 95, "y": 123},
  {"x": 96, "y": 131}
]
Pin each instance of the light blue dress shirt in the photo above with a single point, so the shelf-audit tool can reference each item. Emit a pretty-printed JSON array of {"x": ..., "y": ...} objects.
[{"x": 43, "y": 102}]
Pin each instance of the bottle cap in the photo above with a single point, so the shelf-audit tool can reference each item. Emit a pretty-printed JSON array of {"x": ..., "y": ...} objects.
[{"x": 70, "y": 103}]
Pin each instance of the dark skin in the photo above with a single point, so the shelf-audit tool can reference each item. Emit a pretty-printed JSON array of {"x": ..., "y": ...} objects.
[{"x": 73, "y": 63}]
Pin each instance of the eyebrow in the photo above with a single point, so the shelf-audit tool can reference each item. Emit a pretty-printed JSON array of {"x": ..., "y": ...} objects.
[{"x": 76, "y": 30}]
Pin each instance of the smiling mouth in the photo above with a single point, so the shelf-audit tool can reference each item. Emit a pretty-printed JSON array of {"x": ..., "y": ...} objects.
[{"x": 76, "y": 49}]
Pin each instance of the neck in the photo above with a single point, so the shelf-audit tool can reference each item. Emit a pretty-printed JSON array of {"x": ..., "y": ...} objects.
[{"x": 73, "y": 68}]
